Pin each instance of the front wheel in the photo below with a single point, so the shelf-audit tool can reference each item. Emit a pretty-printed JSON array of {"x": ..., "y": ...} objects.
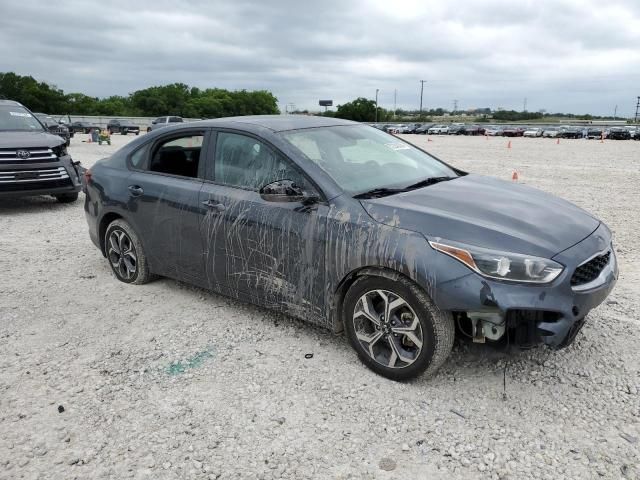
[
  {"x": 126, "y": 254},
  {"x": 395, "y": 328}
]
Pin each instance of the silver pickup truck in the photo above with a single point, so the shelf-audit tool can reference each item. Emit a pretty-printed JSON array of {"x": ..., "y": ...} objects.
[{"x": 163, "y": 122}]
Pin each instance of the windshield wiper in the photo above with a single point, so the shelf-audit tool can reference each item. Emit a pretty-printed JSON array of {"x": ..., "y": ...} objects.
[
  {"x": 427, "y": 181},
  {"x": 379, "y": 192},
  {"x": 383, "y": 192}
]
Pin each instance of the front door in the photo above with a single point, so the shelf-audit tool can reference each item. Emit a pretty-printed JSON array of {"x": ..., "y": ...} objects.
[{"x": 272, "y": 252}]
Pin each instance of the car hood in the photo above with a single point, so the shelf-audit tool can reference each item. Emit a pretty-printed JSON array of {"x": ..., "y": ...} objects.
[
  {"x": 487, "y": 212},
  {"x": 28, "y": 139}
]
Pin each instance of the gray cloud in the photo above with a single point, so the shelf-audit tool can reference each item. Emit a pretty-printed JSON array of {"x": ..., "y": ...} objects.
[{"x": 578, "y": 56}]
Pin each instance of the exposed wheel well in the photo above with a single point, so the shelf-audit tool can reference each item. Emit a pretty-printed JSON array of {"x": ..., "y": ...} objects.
[
  {"x": 102, "y": 229},
  {"x": 345, "y": 284}
]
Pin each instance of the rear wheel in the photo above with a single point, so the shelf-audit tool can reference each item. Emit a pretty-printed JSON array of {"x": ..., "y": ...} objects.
[
  {"x": 67, "y": 197},
  {"x": 126, "y": 254},
  {"x": 395, "y": 328}
]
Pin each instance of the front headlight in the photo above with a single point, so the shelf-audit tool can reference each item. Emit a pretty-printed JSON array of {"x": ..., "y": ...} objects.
[
  {"x": 512, "y": 267},
  {"x": 60, "y": 150}
]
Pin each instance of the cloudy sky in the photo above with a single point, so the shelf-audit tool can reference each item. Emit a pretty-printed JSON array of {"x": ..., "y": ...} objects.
[{"x": 563, "y": 55}]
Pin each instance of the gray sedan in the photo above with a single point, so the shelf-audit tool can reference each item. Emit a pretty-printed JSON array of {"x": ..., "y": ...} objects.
[{"x": 347, "y": 227}]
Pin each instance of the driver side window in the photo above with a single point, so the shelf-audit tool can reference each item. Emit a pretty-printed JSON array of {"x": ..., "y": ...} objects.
[{"x": 242, "y": 161}]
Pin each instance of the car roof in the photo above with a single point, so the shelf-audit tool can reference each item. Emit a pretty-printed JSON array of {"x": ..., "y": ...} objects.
[
  {"x": 11, "y": 103},
  {"x": 278, "y": 123}
]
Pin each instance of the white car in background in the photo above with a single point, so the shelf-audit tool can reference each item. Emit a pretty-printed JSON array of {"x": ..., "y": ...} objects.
[
  {"x": 551, "y": 132},
  {"x": 493, "y": 131},
  {"x": 533, "y": 132},
  {"x": 438, "y": 130}
]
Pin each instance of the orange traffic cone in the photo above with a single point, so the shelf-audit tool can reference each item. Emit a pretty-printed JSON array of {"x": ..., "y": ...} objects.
[
  {"x": 514, "y": 177},
  {"x": 509, "y": 144}
]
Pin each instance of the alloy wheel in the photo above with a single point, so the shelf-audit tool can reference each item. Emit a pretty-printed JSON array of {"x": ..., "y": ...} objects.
[
  {"x": 122, "y": 254},
  {"x": 388, "y": 329}
]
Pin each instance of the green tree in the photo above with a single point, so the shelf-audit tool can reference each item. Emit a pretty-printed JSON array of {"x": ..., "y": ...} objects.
[{"x": 361, "y": 110}]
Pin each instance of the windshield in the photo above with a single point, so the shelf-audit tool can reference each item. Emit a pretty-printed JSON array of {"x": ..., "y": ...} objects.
[
  {"x": 17, "y": 119},
  {"x": 360, "y": 158}
]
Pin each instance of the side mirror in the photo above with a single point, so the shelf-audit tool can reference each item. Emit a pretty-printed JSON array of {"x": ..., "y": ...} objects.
[{"x": 285, "y": 191}]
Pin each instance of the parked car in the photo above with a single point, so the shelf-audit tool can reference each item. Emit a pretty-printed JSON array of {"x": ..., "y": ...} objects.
[
  {"x": 551, "y": 132},
  {"x": 314, "y": 216},
  {"x": 457, "y": 130},
  {"x": 123, "y": 127},
  {"x": 473, "y": 130},
  {"x": 163, "y": 122},
  {"x": 81, "y": 127},
  {"x": 513, "y": 132},
  {"x": 493, "y": 131},
  {"x": 392, "y": 128},
  {"x": 438, "y": 130},
  {"x": 424, "y": 128},
  {"x": 54, "y": 127},
  {"x": 32, "y": 160},
  {"x": 595, "y": 133},
  {"x": 618, "y": 133},
  {"x": 532, "y": 132},
  {"x": 570, "y": 132}
]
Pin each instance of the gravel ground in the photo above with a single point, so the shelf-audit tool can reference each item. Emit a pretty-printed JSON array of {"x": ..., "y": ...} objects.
[{"x": 99, "y": 379}]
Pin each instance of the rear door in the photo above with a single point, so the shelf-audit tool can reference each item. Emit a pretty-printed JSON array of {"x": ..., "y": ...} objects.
[
  {"x": 164, "y": 190},
  {"x": 271, "y": 251}
]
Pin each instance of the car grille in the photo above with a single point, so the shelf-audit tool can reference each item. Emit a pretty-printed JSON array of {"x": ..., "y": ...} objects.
[
  {"x": 33, "y": 179},
  {"x": 589, "y": 271},
  {"x": 36, "y": 155}
]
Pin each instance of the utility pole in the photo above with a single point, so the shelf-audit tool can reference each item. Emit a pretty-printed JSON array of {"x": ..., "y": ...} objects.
[
  {"x": 615, "y": 113},
  {"x": 395, "y": 109},
  {"x": 524, "y": 107},
  {"x": 421, "y": 90},
  {"x": 637, "y": 110},
  {"x": 455, "y": 106},
  {"x": 377, "y": 90}
]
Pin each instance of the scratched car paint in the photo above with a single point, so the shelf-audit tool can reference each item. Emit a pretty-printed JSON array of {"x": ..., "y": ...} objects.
[{"x": 350, "y": 228}]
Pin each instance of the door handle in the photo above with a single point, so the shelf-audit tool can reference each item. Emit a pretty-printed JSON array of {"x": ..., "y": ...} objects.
[
  {"x": 214, "y": 206},
  {"x": 136, "y": 190}
]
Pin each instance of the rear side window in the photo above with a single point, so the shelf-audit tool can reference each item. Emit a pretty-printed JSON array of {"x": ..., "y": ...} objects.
[
  {"x": 139, "y": 156},
  {"x": 177, "y": 156},
  {"x": 175, "y": 120}
]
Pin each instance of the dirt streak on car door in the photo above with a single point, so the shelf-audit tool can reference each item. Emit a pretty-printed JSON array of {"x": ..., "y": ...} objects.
[{"x": 270, "y": 251}]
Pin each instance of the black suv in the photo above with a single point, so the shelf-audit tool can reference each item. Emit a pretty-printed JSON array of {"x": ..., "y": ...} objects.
[
  {"x": 55, "y": 127},
  {"x": 33, "y": 161},
  {"x": 123, "y": 127}
]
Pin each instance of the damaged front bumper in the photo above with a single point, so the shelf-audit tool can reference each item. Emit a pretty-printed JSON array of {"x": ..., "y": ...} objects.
[{"x": 530, "y": 314}]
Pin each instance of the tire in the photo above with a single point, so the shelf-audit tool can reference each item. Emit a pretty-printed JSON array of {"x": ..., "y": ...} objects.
[
  {"x": 137, "y": 133},
  {"x": 415, "y": 320},
  {"x": 67, "y": 197},
  {"x": 133, "y": 267}
]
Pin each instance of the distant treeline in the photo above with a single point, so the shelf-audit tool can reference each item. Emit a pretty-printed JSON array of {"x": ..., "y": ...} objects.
[{"x": 174, "y": 99}]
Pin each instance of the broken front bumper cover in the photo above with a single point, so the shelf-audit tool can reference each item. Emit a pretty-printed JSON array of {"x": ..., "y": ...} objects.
[{"x": 551, "y": 313}]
